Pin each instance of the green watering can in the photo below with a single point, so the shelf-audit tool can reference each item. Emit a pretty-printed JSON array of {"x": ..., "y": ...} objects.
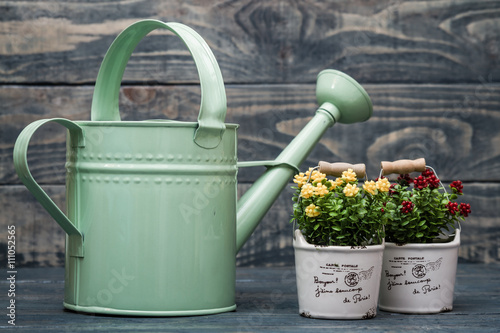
[{"x": 153, "y": 225}]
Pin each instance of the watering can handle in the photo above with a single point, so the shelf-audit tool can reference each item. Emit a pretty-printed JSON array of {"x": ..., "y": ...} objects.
[
  {"x": 213, "y": 106},
  {"x": 75, "y": 248},
  {"x": 336, "y": 169},
  {"x": 402, "y": 166}
]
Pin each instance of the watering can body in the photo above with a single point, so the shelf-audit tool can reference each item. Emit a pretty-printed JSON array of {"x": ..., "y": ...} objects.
[
  {"x": 158, "y": 220},
  {"x": 152, "y": 220}
]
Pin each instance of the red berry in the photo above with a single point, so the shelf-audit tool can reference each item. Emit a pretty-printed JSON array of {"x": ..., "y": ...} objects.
[
  {"x": 433, "y": 181},
  {"x": 407, "y": 207},
  {"x": 391, "y": 189},
  {"x": 465, "y": 209},
  {"x": 420, "y": 182},
  {"x": 452, "y": 207},
  {"x": 457, "y": 186},
  {"x": 404, "y": 179},
  {"x": 428, "y": 173}
]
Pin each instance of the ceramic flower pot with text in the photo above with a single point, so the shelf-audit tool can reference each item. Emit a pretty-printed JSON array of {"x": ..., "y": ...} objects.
[
  {"x": 422, "y": 240},
  {"x": 337, "y": 282},
  {"x": 419, "y": 278},
  {"x": 339, "y": 242}
]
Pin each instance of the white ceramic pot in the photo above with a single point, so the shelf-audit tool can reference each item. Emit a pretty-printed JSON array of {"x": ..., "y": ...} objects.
[
  {"x": 419, "y": 278},
  {"x": 337, "y": 282}
]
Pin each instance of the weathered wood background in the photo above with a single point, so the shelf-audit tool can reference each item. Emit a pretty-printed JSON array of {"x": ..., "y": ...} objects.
[{"x": 430, "y": 67}]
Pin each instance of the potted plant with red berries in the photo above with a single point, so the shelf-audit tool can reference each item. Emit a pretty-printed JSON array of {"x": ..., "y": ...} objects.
[
  {"x": 339, "y": 241},
  {"x": 422, "y": 240}
]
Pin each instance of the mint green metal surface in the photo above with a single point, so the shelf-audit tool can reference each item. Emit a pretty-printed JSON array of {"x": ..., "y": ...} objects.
[
  {"x": 213, "y": 96},
  {"x": 158, "y": 219},
  {"x": 334, "y": 87},
  {"x": 75, "y": 247},
  {"x": 151, "y": 205}
]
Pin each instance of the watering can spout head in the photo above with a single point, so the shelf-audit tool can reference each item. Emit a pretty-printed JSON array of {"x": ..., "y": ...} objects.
[{"x": 341, "y": 99}]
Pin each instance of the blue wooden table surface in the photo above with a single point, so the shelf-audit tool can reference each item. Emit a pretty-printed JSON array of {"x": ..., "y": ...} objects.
[{"x": 267, "y": 301}]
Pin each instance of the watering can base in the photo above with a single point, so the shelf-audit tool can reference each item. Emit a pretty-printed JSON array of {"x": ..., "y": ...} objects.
[{"x": 135, "y": 313}]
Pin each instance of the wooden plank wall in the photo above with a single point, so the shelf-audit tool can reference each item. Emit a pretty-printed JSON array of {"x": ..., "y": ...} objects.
[{"x": 430, "y": 67}]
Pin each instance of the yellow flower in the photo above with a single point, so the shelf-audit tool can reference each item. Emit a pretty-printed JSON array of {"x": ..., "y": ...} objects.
[
  {"x": 317, "y": 176},
  {"x": 370, "y": 187},
  {"x": 351, "y": 190},
  {"x": 349, "y": 176},
  {"x": 336, "y": 183},
  {"x": 383, "y": 185},
  {"x": 300, "y": 179},
  {"x": 307, "y": 191},
  {"x": 311, "y": 210},
  {"x": 320, "y": 190}
]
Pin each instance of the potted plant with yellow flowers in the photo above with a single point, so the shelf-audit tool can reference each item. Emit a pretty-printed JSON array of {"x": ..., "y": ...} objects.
[
  {"x": 339, "y": 241},
  {"x": 422, "y": 240}
]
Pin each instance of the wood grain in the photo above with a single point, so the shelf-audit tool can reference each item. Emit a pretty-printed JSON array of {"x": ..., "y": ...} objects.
[
  {"x": 454, "y": 127},
  {"x": 258, "y": 41},
  {"x": 39, "y": 240},
  {"x": 267, "y": 302}
]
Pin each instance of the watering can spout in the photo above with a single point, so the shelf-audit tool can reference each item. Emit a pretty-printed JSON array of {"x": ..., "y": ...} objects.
[{"x": 341, "y": 99}]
